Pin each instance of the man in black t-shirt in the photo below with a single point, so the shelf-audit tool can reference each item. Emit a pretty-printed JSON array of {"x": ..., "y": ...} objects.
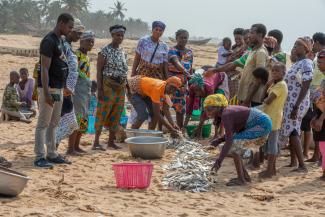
[{"x": 51, "y": 81}]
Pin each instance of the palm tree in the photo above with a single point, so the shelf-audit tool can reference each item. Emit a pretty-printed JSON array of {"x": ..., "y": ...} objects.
[
  {"x": 118, "y": 9},
  {"x": 75, "y": 7}
]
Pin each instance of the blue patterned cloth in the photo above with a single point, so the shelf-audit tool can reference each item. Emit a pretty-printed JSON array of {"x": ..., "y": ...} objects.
[
  {"x": 146, "y": 48},
  {"x": 258, "y": 125}
]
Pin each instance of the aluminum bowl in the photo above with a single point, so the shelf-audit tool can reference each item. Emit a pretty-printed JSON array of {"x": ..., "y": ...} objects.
[
  {"x": 142, "y": 132},
  {"x": 12, "y": 183},
  {"x": 147, "y": 147}
]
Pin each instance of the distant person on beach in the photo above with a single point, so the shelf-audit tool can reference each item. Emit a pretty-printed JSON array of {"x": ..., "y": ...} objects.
[
  {"x": 68, "y": 123},
  {"x": 298, "y": 79},
  {"x": 11, "y": 104},
  {"x": 150, "y": 96},
  {"x": 151, "y": 54},
  {"x": 244, "y": 128},
  {"x": 275, "y": 92},
  {"x": 224, "y": 51},
  {"x": 112, "y": 69},
  {"x": 51, "y": 82},
  {"x": 318, "y": 46},
  {"x": 180, "y": 64},
  {"x": 25, "y": 90}
]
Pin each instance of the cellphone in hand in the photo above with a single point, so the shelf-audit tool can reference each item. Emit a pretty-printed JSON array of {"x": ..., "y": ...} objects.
[{"x": 56, "y": 97}]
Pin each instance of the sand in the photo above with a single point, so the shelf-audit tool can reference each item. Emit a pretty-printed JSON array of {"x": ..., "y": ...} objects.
[{"x": 87, "y": 187}]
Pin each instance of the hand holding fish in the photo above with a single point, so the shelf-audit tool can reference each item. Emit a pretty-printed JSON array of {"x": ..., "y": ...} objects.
[{"x": 216, "y": 166}]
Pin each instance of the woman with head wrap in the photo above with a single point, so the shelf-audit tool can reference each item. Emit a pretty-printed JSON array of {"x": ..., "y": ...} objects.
[
  {"x": 298, "y": 80},
  {"x": 147, "y": 95},
  {"x": 68, "y": 122},
  {"x": 201, "y": 87},
  {"x": 151, "y": 54},
  {"x": 81, "y": 95},
  {"x": 244, "y": 127},
  {"x": 112, "y": 71},
  {"x": 180, "y": 60}
]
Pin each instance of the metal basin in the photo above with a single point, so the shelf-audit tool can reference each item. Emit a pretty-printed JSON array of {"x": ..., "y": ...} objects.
[
  {"x": 147, "y": 147},
  {"x": 12, "y": 183},
  {"x": 143, "y": 132}
]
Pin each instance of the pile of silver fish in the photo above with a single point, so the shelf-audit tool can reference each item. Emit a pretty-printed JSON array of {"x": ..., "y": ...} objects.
[{"x": 190, "y": 169}]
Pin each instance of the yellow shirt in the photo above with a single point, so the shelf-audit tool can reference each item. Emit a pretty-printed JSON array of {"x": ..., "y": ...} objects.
[
  {"x": 153, "y": 88},
  {"x": 256, "y": 58},
  {"x": 275, "y": 109},
  {"x": 317, "y": 77}
]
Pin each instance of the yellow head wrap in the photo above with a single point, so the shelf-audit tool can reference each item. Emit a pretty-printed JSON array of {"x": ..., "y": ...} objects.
[{"x": 215, "y": 100}]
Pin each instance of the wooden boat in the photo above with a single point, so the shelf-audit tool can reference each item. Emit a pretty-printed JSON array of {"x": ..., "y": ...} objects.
[{"x": 194, "y": 42}]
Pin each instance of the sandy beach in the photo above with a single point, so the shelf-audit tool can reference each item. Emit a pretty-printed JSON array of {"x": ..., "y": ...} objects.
[{"x": 87, "y": 187}]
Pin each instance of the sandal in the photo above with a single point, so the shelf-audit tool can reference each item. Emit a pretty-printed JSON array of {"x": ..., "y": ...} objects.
[
  {"x": 5, "y": 163},
  {"x": 98, "y": 148}
]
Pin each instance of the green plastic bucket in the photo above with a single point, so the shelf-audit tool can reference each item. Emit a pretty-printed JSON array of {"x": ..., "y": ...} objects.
[{"x": 206, "y": 130}]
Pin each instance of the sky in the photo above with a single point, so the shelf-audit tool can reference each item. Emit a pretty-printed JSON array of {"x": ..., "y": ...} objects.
[{"x": 216, "y": 18}]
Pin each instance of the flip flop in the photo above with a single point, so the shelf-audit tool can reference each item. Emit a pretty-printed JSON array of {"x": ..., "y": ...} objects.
[{"x": 98, "y": 148}]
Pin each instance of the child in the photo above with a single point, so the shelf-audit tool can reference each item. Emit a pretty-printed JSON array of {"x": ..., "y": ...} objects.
[
  {"x": 25, "y": 90},
  {"x": 93, "y": 99},
  {"x": 10, "y": 102},
  {"x": 224, "y": 52},
  {"x": 277, "y": 92}
]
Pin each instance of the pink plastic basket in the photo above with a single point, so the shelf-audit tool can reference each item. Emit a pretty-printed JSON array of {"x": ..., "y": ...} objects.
[{"x": 133, "y": 175}]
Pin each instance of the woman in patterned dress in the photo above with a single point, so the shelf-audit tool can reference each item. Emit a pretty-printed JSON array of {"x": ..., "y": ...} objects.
[
  {"x": 81, "y": 95},
  {"x": 151, "y": 54},
  {"x": 298, "y": 79},
  {"x": 112, "y": 71},
  {"x": 180, "y": 64}
]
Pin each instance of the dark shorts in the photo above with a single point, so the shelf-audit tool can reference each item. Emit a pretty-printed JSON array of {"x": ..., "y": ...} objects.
[
  {"x": 319, "y": 136},
  {"x": 305, "y": 123},
  {"x": 272, "y": 146},
  {"x": 143, "y": 107}
]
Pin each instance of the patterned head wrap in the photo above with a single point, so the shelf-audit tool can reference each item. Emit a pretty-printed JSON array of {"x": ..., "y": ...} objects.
[
  {"x": 307, "y": 42},
  {"x": 78, "y": 27},
  {"x": 270, "y": 41},
  {"x": 216, "y": 100},
  {"x": 87, "y": 35},
  {"x": 159, "y": 24},
  {"x": 174, "y": 81},
  {"x": 321, "y": 54},
  {"x": 197, "y": 79}
]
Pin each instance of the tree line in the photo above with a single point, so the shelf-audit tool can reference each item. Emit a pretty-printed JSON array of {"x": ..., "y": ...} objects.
[{"x": 37, "y": 17}]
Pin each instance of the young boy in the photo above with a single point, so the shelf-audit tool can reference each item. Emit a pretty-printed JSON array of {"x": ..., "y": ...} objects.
[
  {"x": 10, "y": 102},
  {"x": 277, "y": 91},
  {"x": 224, "y": 51}
]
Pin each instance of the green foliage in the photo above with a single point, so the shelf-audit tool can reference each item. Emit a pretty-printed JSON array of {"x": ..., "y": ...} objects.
[{"x": 39, "y": 16}]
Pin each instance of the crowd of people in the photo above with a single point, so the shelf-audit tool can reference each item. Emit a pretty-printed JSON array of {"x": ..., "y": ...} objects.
[{"x": 255, "y": 101}]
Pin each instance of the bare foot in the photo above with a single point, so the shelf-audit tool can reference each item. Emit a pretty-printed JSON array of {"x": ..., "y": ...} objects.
[
  {"x": 27, "y": 121},
  {"x": 292, "y": 165},
  {"x": 266, "y": 174},
  {"x": 312, "y": 160},
  {"x": 236, "y": 182},
  {"x": 98, "y": 147},
  {"x": 300, "y": 169},
  {"x": 114, "y": 146},
  {"x": 80, "y": 150},
  {"x": 72, "y": 153}
]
